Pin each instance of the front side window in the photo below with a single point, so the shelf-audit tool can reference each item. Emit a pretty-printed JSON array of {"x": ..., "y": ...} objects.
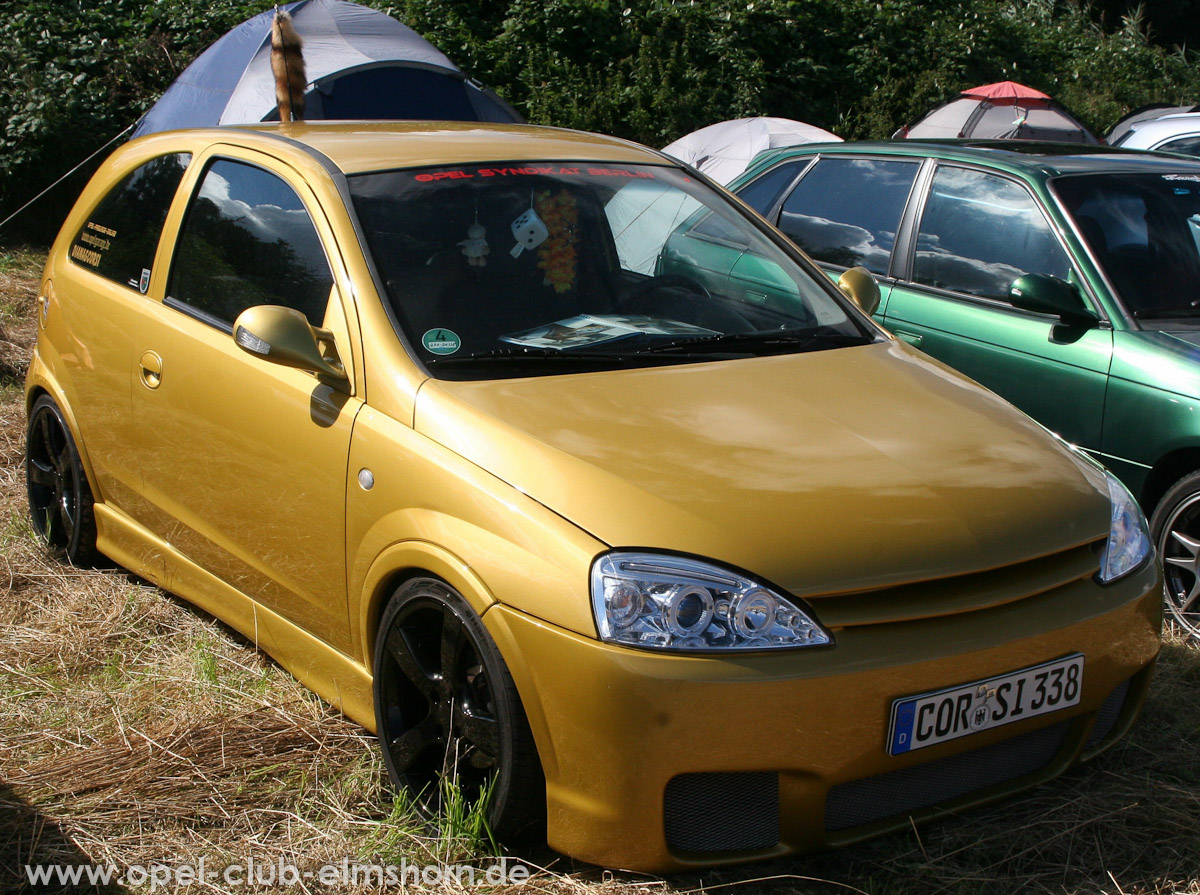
[
  {"x": 248, "y": 240},
  {"x": 979, "y": 232},
  {"x": 503, "y": 270},
  {"x": 1144, "y": 230},
  {"x": 120, "y": 237},
  {"x": 845, "y": 211}
]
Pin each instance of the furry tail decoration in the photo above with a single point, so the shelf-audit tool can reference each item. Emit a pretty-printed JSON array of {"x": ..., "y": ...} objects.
[{"x": 287, "y": 64}]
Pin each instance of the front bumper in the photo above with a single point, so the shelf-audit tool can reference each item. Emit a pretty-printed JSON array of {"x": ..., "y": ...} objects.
[{"x": 658, "y": 762}]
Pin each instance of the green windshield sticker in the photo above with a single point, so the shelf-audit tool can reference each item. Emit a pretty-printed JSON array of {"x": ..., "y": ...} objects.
[{"x": 441, "y": 341}]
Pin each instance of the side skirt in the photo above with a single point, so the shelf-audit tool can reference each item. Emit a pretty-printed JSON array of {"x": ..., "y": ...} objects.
[{"x": 337, "y": 678}]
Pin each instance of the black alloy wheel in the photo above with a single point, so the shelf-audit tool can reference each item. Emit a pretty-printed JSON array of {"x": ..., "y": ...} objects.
[
  {"x": 60, "y": 499},
  {"x": 446, "y": 707}
]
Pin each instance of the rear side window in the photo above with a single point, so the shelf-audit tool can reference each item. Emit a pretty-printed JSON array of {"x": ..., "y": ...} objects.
[
  {"x": 120, "y": 237},
  {"x": 763, "y": 193},
  {"x": 979, "y": 232},
  {"x": 846, "y": 210},
  {"x": 248, "y": 240},
  {"x": 1186, "y": 145}
]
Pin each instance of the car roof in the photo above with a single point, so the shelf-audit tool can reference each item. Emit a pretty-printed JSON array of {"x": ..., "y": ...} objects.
[
  {"x": 1027, "y": 157},
  {"x": 360, "y": 146},
  {"x": 1147, "y": 133}
]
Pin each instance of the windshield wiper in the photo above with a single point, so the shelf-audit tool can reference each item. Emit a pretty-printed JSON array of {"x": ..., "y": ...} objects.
[
  {"x": 814, "y": 337},
  {"x": 531, "y": 353}
]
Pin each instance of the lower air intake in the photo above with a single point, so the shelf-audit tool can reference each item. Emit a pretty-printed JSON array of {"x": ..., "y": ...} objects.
[
  {"x": 722, "y": 812},
  {"x": 901, "y": 792},
  {"x": 1106, "y": 718}
]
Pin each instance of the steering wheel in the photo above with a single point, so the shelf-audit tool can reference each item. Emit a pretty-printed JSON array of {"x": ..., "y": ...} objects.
[
  {"x": 704, "y": 310},
  {"x": 628, "y": 303}
]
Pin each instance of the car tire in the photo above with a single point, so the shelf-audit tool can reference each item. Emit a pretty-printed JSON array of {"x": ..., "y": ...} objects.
[
  {"x": 60, "y": 498},
  {"x": 1175, "y": 527},
  {"x": 445, "y": 704}
]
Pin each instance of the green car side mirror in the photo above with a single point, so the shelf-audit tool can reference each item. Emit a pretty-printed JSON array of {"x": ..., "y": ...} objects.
[
  {"x": 860, "y": 287},
  {"x": 1045, "y": 294},
  {"x": 285, "y": 336}
]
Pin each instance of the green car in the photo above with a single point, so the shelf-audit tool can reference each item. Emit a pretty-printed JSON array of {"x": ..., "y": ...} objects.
[{"x": 1064, "y": 278}]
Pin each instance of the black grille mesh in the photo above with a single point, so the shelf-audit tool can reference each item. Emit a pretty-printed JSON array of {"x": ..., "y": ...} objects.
[
  {"x": 722, "y": 812},
  {"x": 1106, "y": 718},
  {"x": 899, "y": 792}
]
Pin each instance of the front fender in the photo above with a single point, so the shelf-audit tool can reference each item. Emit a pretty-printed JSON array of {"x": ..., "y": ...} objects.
[
  {"x": 429, "y": 510},
  {"x": 405, "y": 559}
]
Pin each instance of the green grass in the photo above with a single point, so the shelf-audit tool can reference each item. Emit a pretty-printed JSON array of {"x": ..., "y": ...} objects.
[
  {"x": 457, "y": 834},
  {"x": 19, "y": 273}
]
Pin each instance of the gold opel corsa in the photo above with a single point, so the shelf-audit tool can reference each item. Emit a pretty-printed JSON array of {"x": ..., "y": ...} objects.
[{"x": 685, "y": 565}]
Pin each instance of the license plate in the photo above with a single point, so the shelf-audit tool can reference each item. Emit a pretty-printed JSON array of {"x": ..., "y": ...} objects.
[{"x": 930, "y": 718}]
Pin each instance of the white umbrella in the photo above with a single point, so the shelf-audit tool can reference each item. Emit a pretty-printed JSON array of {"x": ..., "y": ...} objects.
[{"x": 724, "y": 150}]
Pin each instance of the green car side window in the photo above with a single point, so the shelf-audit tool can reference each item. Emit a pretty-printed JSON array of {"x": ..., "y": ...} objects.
[
  {"x": 763, "y": 193},
  {"x": 846, "y": 211},
  {"x": 979, "y": 232}
]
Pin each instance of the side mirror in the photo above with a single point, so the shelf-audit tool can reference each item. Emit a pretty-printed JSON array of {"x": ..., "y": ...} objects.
[
  {"x": 1045, "y": 294},
  {"x": 860, "y": 287},
  {"x": 285, "y": 336}
]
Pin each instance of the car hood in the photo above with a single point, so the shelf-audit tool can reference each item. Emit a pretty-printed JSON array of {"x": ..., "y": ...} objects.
[{"x": 825, "y": 471}]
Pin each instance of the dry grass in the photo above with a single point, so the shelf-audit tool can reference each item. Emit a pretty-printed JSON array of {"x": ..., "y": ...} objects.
[
  {"x": 18, "y": 292},
  {"x": 135, "y": 730}
]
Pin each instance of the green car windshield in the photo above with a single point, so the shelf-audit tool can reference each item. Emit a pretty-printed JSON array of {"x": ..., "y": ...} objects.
[
  {"x": 523, "y": 269},
  {"x": 1144, "y": 229}
]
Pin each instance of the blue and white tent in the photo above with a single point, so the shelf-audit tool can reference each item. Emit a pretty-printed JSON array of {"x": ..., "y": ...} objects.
[{"x": 361, "y": 64}]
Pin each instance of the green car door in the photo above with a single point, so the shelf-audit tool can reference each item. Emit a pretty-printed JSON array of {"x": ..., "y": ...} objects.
[{"x": 974, "y": 234}]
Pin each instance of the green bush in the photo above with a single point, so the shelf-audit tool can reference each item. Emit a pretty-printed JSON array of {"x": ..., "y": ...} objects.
[
  {"x": 79, "y": 74},
  {"x": 652, "y": 70},
  {"x": 649, "y": 70}
]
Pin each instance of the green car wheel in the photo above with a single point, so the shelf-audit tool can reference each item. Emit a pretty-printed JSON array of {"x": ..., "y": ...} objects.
[{"x": 1176, "y": 528}]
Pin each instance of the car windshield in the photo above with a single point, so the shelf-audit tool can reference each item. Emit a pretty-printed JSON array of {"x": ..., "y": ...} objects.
[
  {"x": 527, "y": 269},
  {"x": 1144, "y": 229}
]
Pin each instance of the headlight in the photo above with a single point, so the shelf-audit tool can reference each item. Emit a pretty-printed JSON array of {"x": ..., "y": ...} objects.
[
  {"x": 1128, "y": 539},
  {"x": 668, "y": 602}
]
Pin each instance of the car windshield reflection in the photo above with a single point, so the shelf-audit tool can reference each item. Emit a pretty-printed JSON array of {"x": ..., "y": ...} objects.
[
  {"x": 1144, "y": 229},
  {"x": 526, "y": 262}
]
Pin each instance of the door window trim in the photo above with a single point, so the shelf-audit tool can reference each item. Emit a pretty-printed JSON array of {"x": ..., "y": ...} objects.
[
  {"x": 773, "y": 211},
  {"x": 205, "y": 169},
  {"x": 342, "y": 290}
]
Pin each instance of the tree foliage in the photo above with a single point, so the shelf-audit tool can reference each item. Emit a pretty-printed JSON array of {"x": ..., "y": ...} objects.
[{"x": 649, "y": 70}]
